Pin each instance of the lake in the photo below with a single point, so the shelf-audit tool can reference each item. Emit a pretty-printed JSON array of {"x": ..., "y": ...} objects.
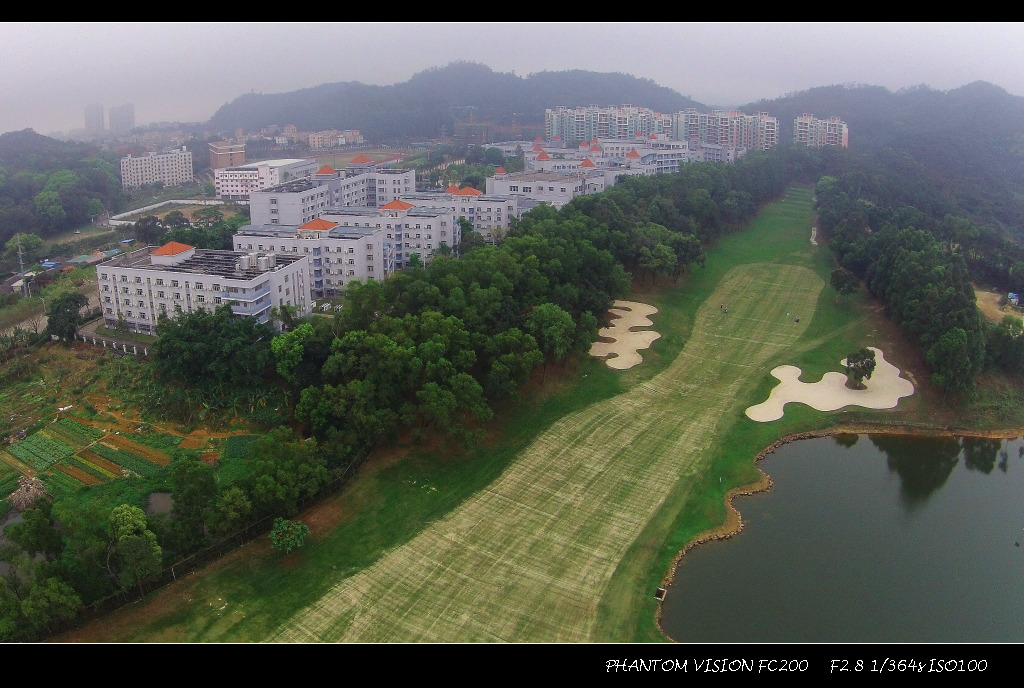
[{"x": 866, "y": 538}]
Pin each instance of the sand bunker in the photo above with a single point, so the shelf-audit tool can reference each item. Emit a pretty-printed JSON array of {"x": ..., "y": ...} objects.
[
  {"x": 883, "y": 390},
  {"x": 622, "y": 352}
]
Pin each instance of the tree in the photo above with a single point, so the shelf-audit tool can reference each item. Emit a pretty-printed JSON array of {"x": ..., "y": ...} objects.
[
  {"x": 133, "y": 547},
  {"x": 31, "y": 248},
  {"x": 843, "y": 281},
  {"x": 859, "y": 367},
  {"x": 176, "y": 218},
  {"x": 64, "y": 315},
  {"x": 193, "y": 489},
  {"x": 47, "y": 601},
  {"x": 553, "y": 329},
  {"x": 148, "y": 230},
  {"x": 231, "y": 511},
  {"x": 209, "y": 214},
  {"x": 288, "y": 535}
]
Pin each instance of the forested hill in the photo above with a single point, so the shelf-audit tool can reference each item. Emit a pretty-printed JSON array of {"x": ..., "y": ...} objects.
[
  {"x": 430, "y": 101},
  {"x": 968, "y": 141}
]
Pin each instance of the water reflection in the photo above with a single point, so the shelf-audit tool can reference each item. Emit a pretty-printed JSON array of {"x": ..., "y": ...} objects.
[
  {"x": 918, "y": 478},
  {"x": 830, "y": 555}
]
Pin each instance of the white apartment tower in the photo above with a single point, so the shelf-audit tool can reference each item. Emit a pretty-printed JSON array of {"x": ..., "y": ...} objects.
[
  {"x": 808, "y": 130},
  {"x": 172, "y": 168}
]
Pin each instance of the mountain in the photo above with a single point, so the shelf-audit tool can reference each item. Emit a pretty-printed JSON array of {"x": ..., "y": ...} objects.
[
  {"x": 432, "y": 100},
  {"x": 969, "y": 140}
]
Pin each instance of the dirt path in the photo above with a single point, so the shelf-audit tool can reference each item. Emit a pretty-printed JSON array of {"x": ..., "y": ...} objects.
[{"x": 527, "y": 559}]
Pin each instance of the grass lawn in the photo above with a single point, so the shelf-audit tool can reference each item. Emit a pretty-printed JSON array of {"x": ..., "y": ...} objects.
[{"x": 564, "y": 523}]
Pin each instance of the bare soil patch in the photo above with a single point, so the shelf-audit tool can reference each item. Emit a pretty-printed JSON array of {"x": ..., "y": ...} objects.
[{"x": 988, "y": 304}]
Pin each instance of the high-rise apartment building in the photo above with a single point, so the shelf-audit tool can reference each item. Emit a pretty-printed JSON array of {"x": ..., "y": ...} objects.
[
  {"x": 122, "y": 118},
  {"x": 94, "y": 118},
  {"x": 731, "y": 129},
  {"x": 811, "y": 131}
]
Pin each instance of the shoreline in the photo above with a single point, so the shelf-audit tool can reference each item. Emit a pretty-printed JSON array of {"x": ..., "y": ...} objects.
[{"x": 733, "y": 523}]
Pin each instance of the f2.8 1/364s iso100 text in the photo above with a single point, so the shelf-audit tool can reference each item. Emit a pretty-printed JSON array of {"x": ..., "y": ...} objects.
[{"x": 920, "y": 666}]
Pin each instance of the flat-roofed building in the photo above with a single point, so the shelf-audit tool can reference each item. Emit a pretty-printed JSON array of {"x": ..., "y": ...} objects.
[
  {"x": 226, "y": 154},
  {"x": 171, "y": 168},
  {"x": 811, "y": 131},
  {"x": 175, "y": 278},
  {"x": 338, "y": 254},
  {"x": 295, "y": 203},
  {"x": 237, "y": 183},
  {"x": 490, "y": 214}
]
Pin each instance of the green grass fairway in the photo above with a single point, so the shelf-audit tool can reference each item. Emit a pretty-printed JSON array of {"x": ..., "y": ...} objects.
[{"x": 529, "y": 558}]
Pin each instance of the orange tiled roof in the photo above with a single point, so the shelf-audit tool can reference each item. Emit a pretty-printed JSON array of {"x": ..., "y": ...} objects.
[
  {"x": 469, "y": 191},
  {"x": 543, "y": 156},
  {"x": 319, "y": 223},
  {"x": 172, "y": 248},
  {"x": 397, "y": 205},
  {"x": 538, "y": 148},
  {"x": 500, "y": 170},
  {"x": 538, "y": 139},
  {"x": 587, "y": 163},
  {"x": 326, "y": 169},
  {"x": 452, "y": 188},
  {"x": 632, "y": 154},
  {"x": 360, "y": 159},
  {"x": 595, "y": 148}
]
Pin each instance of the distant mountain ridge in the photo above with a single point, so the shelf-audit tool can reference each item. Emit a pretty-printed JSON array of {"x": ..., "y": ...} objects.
[{"x": 426, "y": 104}]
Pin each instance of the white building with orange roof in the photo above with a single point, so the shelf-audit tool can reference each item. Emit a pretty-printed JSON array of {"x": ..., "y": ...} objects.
[
  {"x": 340, "y": 248},
  {"x": 297, "y": 202},
  {"x": 144, "y": 284},
  {"x": 490, "y": 214}
]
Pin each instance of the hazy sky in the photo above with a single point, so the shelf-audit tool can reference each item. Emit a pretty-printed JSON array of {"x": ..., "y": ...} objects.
[{"x": 184, "y": 72}]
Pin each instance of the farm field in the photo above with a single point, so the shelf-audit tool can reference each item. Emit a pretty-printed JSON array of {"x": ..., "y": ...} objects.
[{"x": 570, "y": 537}]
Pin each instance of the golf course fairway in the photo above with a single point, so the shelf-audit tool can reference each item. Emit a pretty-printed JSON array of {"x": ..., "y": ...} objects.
[{"x": 528, "y": 558}]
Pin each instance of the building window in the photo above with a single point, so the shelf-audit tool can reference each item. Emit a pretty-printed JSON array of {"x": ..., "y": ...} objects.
[
  {"x": 174, "y": 283},
  {"x": 201, "y": 298}
]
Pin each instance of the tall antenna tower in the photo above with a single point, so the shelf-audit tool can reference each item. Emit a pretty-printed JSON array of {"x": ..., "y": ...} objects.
[{"x": 21, "y": 267}]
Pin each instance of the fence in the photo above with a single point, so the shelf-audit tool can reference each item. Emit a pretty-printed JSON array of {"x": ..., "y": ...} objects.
[
  {"x": 116, "y": 347},
  {"x": 194, "y": 562}
]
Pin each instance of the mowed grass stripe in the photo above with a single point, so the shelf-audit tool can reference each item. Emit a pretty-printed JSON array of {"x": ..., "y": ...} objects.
[{"x": 528, "y": 558}]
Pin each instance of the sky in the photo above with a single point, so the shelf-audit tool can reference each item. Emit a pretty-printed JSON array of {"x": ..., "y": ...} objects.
[{"x": 185, "y": 71}]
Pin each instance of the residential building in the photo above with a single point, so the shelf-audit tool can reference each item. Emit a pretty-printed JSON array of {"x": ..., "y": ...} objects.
[
  {"x": 811, "y": 131},
  {"x": 567, "y": 127},
  {"x": 337, "y": 254},
  {"x": 490, "y": 214},
  {"x": 226, "y": 154},
  {"x": 297, "y": 202},
  {"x": 94, "y": 123},
  {"x": 238, "y": 182},
  {"x": 122, "y": 118},
  {"x": 144, "y": 284},
  {"x": 172, "y": 168}
]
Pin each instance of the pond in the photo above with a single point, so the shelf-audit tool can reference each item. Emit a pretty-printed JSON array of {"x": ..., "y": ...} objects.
[{"x": 866, "y": 538}]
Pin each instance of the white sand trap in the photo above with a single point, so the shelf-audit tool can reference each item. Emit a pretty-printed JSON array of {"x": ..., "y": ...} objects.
[
  {"x": 622, "y": 352},
  {"x": 883, "y": 390}
]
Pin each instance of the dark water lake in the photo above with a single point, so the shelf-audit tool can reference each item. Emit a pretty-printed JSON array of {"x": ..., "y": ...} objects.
[{"x": 866, "y": 538}]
